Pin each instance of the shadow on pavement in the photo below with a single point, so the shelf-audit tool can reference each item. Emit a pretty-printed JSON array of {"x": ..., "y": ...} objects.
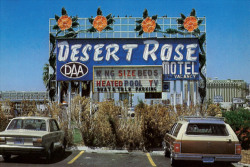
[
  {"x": 32, "y": 159},
  {"x": 200, "y": 164}
]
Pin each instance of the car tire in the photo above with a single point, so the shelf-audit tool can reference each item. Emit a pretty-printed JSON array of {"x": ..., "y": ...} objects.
[
  {"x": 7, "y": 157},
  {"x": 63, "y": 147},
  {"x": 166, "y": 153},
  {"x": 173, "y": 162},
  {"x": 49, "y": 155}
]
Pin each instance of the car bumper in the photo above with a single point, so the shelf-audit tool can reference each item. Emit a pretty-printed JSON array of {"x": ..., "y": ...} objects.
[
  {"x": 202, "y": 157},
  {"x": 18, "y": 150}
]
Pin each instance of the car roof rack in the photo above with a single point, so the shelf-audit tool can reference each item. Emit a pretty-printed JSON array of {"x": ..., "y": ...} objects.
[{"x": 187, "y": 118}]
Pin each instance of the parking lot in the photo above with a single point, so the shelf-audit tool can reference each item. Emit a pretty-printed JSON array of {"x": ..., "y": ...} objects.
[{"x": 88, "y": 159}]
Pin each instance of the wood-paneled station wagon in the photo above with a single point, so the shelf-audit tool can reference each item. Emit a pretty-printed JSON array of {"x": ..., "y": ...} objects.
[
  {"x": 207, "y": 139},
  {"x": 32, "y": 135}
]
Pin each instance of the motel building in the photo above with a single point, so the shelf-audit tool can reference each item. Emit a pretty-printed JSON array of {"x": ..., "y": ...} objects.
[{"x": 126, "y": 61}]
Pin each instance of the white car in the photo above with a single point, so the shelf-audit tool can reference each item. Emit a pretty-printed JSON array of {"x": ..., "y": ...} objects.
[{"x": 32, "y": 135}]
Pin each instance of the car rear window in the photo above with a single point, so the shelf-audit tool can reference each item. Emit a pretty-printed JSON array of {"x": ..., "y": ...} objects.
[
  {"x": 207, "y": 129},
  {"x": 28, "y": 124},
  {"x": 177, "y": 129}
]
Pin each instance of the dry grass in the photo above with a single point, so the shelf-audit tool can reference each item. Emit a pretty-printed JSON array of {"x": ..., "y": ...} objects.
[{"x": 245, "y": 156}]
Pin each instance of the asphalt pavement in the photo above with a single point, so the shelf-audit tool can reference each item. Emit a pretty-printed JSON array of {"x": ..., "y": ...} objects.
[{"x": 105, "y": 158}]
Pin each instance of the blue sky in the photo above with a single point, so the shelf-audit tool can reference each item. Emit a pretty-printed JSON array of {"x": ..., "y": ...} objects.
[{"x": 24, "y": 34}]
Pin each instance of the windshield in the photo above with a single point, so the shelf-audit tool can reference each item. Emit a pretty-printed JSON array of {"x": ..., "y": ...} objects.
[
  {"x": 29, "y": 124},
  {"x": 207, "y": 129}
]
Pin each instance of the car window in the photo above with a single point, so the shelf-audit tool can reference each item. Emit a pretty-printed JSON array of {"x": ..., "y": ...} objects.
[
  {"x": 177, "y": 129},
  {"x": 28, "y": 124},
  {"x": 172, "y": 129},
  {"x": 53, "y": 126},
  {"x": 207, "y": 129}
]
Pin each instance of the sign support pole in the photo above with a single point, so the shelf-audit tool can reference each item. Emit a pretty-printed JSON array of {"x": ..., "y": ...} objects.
[
  {"x": 188, "y": 94},
  {"x": 69, "y": 105},
  {"x": 181, "y": 98},
  {"x": 91, "y": 97},
  {"x": 80, "y": 88},
  {"x": 59, "y": 92},
  {"x": 175, "y": 95},
  {"x": 195, "y": 93}
]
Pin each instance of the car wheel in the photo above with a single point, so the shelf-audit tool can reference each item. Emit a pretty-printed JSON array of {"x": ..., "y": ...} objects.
[
  {"x": 6, "y": 157},
  {"x": 63, "y": 147},
  {"x": 173, "y": 161},
  {"x": 49, "y": 154},
  {"x": 166, "y": 153}
]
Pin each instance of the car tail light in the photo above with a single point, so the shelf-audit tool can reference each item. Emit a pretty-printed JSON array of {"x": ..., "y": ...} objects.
[
  {"x": 237, "y": 149},
  {"x": 2, "y": 140},
  {"x": 177, "y": 147},
  {"x": 37, "y": 141}
]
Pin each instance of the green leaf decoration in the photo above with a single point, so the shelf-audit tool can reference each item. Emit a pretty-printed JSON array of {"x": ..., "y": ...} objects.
[
  {"x": 154, "y": 17},
  {"x": 91, "y": 20},
  {"x": 74, "y": 18},
  {"x": 92, "y": 29},
  {"x": 70, "y": 35},
  {"x": 197, "y": 31},
  {"x": 140, "y": 32},
  {"x": 202, "y": 59},
  {"x": 199, "y": 22},
  {"x": 57, "y": 17},
  {"x": 52, "y": 61},
  {"x": 99, "y": 11},
  {"x": 52, "y": 38},
  {"x": 109, "y": 16},
  {"x": 75, "y": 24},
  {"x": 56, "y": 27},
  {"x": 110, "y": 21},
  {"x": 171, "y": 31},
  {"x": 58, "y": 32},
  {"x": 183, "y": 16},
  {"x": 138, "y": 28},
  {"x": 202, "y": 39},
  {"x": 180, "y": 21},
  {"x": 71, "y": 29},
  {"x": 108, "y": 28},
  {"x": 181, "y": 28},
  {"x": 145, "y": 14},
  {"x": 64, "y": 12},
  {"x": 157, "y": 27},
  {"x": 193, "y": 13},
  {"x": 139, "y": 21}
]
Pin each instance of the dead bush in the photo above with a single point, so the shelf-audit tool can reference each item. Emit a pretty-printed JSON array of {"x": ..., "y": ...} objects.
[{"x": 3, "y": 119}]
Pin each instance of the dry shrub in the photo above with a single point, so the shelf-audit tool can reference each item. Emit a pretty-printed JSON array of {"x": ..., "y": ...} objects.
[
  {"x": 3, "y": 119},
  {"x": 29, "y": 108},
  {"x": 154, "y": 121},
  {"x": 214, "y": 110}
]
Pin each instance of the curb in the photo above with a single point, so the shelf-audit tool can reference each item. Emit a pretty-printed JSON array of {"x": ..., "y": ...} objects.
[
  {"x": 99, "y": 150},
  {"x": 110, "y": 151}
]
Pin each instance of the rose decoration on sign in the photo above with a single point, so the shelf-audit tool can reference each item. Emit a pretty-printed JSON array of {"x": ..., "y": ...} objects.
[
  {"x": 190, "y": 23},
  {"x": 66, "y": 23},
  {"x": 100, "y": 23},
  {"x": 147, "y": 24}
]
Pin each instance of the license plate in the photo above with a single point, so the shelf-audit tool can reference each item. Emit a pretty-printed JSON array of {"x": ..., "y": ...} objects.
[
  {"x": 208, "y": 159},
  {"x": 19, "y": 141}
]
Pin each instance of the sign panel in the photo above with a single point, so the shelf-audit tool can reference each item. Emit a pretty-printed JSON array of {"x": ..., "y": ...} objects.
[
  {"x": 127, "y": 79},
  {"x": 166, "y": 87},
  {"x": 218, "y": 99},
  {"x": 237, "y": 100},
  {"x": 77, "y": 57}
]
